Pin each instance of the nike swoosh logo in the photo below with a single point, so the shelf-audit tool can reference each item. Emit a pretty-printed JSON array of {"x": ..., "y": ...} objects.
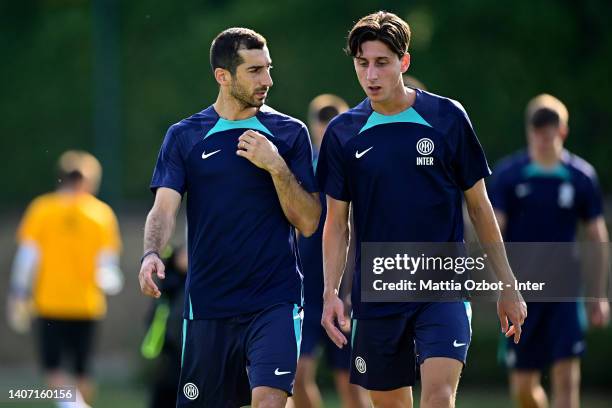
[
  {"x": 358, "y": 155},
  {"x": 455, "y": 344},
  {"x": 276, "y": 372},
  {"x": 206, "y": 156}
]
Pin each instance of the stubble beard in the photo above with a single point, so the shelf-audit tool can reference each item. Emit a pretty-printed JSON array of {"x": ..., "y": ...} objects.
[{"x": 245, "y": 99}]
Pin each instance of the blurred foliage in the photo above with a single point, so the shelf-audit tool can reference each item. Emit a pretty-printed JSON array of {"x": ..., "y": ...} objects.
[{"x": 491, "y": 56}]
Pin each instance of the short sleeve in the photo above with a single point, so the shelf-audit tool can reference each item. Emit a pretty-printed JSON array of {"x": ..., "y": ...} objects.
[
  {"x": 170, "y": 167},
  {"x": 111, "y": 238},
  {"x": 300, "y": 162},
  {"x": 31, "y": 223},
  {"x": 331, "y": 167},
  {"x": 591, "y": 206},
  {"x": 469, "y": 163}
]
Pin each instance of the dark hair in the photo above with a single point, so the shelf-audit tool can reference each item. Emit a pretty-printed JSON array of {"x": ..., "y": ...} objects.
[
  {"x": 327, "y": 114},
  {"x": 225, "y": 46},
  {"x": 382, "y": 26},
  {"x": 544, "y": 117},
  {"x": 70, "y": 178},
  {"x": 325, "y": 107}
]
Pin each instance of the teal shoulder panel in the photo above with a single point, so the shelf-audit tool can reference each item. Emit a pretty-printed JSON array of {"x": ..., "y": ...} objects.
[
  {"x": 535, "y": 170},
  {"x": 408, "y": 116},
  {"x": 250, "y": 123}
]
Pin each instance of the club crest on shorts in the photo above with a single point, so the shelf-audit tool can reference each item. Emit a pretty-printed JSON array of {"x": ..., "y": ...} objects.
[
  {"x": 191, "y": 391},
  {"x": 425, "y": 147},
  {"x": 360, "y": 365}
]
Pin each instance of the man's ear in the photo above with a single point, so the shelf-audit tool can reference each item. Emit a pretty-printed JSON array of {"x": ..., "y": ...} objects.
[
  {"x": 564, "y": 132},
  {"x": 405, "y": 62},
  {"x": 222, "y": 76}
]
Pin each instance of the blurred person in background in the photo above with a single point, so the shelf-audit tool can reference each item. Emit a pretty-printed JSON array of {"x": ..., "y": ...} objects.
[
  {"x": 412, "y": 82},
  {"x": 306, "y": 393},
  {"x": 67, "y": 260},
  {"x": 404, "y": 159},
  {"x": 247, "y": 174},
  {"x": 541, "y": 194},
  {"x": 162, "y": 342}
]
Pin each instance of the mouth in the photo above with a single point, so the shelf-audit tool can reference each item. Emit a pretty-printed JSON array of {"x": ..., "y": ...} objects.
[
  {"x": 261, "y": 93},
  {"x": 373, "y": 89}
]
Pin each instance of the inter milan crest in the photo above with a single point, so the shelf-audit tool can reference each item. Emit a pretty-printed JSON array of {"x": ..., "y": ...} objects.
[{"x": 566, "y": 195}]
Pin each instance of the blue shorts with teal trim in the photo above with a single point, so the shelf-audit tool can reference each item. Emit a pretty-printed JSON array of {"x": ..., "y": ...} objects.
[
  {"x": 224, "y": 359},
  {"x": 388, "y": 350},
  {"x": 552, "y": 332}
]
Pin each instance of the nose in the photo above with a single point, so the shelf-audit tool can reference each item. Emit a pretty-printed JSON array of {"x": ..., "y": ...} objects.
[
  {"x": 267, "y": 80},
  {"x": 372, "y": 73}
]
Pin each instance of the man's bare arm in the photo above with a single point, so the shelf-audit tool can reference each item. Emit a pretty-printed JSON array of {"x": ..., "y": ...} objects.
[
  {"x": 335, "y": 242},
  {"x": 301, "y": 208},
  {"x": 488, "y": 232},
  {"x": 599, "y": 310},
  {"x": 158, "y": 230}
]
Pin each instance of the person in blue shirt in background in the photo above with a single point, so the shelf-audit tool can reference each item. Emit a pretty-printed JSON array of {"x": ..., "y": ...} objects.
[
  {"x": 247, "y": 171},
  {"x": 321, "y": 111},
  {"x": 541, "y": 194}
]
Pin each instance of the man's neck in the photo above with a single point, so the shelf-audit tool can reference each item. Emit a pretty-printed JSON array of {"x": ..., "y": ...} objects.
[
  {"x": 402, "y": 99},
  {"x": 229, "y": 108},
  {"x": 71, "y": 190},
  {"x": 546, "y": 159}
]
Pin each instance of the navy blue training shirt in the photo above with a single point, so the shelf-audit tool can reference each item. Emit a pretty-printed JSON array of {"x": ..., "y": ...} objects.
[
  {"x": 545, "y": 204},
  {"x": 242, "y": 249},
  {"x": 404, "y": 174}
]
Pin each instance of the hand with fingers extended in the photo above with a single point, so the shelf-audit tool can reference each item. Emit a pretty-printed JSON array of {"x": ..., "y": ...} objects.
[
  {"x": 151, "y": 265},
  {"x": 511, "y": 308},
  {"x": 260, "y": 151},
  {"x": 333, "y": 311}
]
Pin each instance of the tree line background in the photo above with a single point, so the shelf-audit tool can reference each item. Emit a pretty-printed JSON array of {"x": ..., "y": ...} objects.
[{"x": 111, "y": 76}]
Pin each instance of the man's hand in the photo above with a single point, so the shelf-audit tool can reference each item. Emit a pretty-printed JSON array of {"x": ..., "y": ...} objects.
[
  {"x": 599, "y": 313},
  {"x": 257, "y": 149},
  {"x": 333, "y": 311},
  {"x": 18, "y": 313},
  {"x": 348, "y": 306},
  {"x": 151, "y": 264},
  {"x": 511, "y": 306}
]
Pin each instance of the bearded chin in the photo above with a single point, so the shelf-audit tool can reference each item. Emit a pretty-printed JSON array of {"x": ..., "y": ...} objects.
[{"x": 247, "y": 101}]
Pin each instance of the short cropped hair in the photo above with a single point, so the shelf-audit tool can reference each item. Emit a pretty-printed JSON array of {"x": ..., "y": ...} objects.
[
  {"x": 325, "y": 107},
  {"x": 382, "y": 26},
  {"x": 545, "y": 110},
  {"x": 76, "y": 165},
  {"x": 224, "y": 48}
]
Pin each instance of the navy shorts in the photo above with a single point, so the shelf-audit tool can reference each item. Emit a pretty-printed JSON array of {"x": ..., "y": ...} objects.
[
  {"x": 224, "y": 359},
  {"x": 552, "y": 332},
  {"x": 387, "y": 351},
  {"x": 314, "y": 335}
]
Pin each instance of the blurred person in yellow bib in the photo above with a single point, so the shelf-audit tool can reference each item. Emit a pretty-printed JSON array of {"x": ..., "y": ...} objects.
[{"x": 67, "y": 260}]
